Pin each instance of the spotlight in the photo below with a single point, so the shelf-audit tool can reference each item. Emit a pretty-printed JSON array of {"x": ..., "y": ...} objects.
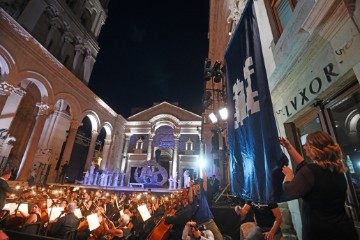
[
  {"x": 218, "y": 76},
  {"x": 207, "y": 75},
  {"x": 207, "y": 70},
  {"x": 216, "y": 66},
  {"x": 213, "y": 118},
  {"x": 207, "y": 63},
  {"x": 223, "y": 113},
  {"x": 202, "y": 163}
]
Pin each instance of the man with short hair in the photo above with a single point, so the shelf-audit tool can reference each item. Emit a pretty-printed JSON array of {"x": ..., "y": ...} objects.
[
  {"x": 67, "y": 223},
  {"x": 198, "y": 200},
  {"x": 268, "y": 220}
]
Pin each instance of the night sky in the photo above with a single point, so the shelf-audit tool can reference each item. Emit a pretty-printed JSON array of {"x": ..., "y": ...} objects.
[{"x": 152, "y": 51}]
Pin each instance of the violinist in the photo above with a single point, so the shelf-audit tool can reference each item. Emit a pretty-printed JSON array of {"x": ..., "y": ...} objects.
[
  {"x": 66, "y": 223},
  {"x": 34, "y": 216},
  {"x": 109, "y": 206},
  {"x": 118, "y": 233},
  {"x": 5, "y": 190}
]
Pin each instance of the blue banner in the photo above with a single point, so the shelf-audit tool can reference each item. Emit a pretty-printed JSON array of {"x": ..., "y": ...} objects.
[{"x": 256, "y": 158}]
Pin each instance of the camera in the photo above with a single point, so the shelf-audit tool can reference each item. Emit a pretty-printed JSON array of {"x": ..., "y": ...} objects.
[{"x": 200, "y": 228}]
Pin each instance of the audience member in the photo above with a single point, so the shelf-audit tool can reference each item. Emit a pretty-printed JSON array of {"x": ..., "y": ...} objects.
[
  {"x": 268, "y": 220},
  {"x": 193, "y": 232},
  {"x": 198, "y": 200},
  {"x": 322, "y": 186}
]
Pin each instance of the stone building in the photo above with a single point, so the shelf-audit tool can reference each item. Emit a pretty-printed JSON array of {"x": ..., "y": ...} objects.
[
  {"x": 311, "y": 53},
  {"x": 172, "y": 131},
  {"x": 50, "y": 116},
  {"x": 47, "y": 52}
]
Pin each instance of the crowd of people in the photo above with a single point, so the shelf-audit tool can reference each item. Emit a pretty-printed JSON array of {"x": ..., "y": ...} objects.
[
  {"x": 319, "y": 181},
  {"x": 187, "y": 213}
]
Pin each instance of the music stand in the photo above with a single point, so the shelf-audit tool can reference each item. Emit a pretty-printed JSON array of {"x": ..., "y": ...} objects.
[
  {"x": 55, "y": 212},
  {"x": 93, "y": 221},
  {"x": 144, "y": 212}
]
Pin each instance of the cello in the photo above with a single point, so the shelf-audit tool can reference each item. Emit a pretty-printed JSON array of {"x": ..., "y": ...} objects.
[{"x": 162, "y": 230}]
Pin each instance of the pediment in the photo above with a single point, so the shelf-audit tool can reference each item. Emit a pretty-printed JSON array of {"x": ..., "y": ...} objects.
[{"x": 165, "y": 108}]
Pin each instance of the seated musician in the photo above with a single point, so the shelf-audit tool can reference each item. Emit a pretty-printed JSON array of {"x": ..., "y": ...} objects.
[
  {"x": 181, "y": 217},
  {"x": 109, "y": 206},
  {"x": 24, "y": 195},
  {"x": 66, "y": 223},
  {"x": 120, "y": 232},
  {"x": 193, "y": 232},
  {"x": 34, "y": 216}
]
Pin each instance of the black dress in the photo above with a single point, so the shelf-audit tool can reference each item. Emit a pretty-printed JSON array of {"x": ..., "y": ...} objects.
[{"x": 323, "y": 210}]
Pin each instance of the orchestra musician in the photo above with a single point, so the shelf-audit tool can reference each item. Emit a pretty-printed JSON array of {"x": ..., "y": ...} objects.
[
  {"x": 66, "y": 223},
  {"x": 34, "y": 216},
  {"x": 118, "y": 233}
]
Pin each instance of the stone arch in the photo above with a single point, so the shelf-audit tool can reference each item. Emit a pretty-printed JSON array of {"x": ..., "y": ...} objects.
[
  {"x": 94, "y": 118},
  {"x": 159, "y": 124},
  {"x": 165, "y": 117},
  {"x": 23, "y": 79},
  {"x": 108, "y": 129},
  {"x": 73, "y": 103}
]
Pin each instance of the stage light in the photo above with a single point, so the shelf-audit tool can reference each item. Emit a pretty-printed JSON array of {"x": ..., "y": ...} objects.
[
  {"x": 207, "y": 70},
  {"x": 213, "y": 118},
  {"x": 218, "y": 76},
  {"x": 223, "y": 113},
  {"x": 207, "y": 63},
  {"x": 202, "y": 163},
  {"x": 216, "y": 66},
  {"x": 207, "y": 75}
]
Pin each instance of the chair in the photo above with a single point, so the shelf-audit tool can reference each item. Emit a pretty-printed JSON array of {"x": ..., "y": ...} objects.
[
  {"x": 32, "y": 228},
  {"x": 245, "y": 229},
  {"x": 71, "y": 235}
]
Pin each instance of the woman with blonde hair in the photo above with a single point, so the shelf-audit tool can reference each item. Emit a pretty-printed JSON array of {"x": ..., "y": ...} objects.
[{"x": 322, "y": 185}]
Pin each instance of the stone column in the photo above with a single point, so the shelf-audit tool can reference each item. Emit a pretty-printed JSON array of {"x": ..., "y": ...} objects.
[
  {"x": 105, "y": 153},
  {"x": 64, "y": 48},
  {"x": 88, "y": 67},
  {"x": 54, "y": 22},
  {"x": 150, "y": 148},
  {"x": 126, "y": 147},
  {"x": 90, "y": 155},
  {"x": 78, "y": 59},
  {"x": 74, "y": 125},
  {"x": 31, "y": 148},
  {"x": 175, "y": 156}
]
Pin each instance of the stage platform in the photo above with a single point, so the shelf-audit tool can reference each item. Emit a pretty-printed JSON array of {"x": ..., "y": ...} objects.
[{"x": 134, "y": 188}]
